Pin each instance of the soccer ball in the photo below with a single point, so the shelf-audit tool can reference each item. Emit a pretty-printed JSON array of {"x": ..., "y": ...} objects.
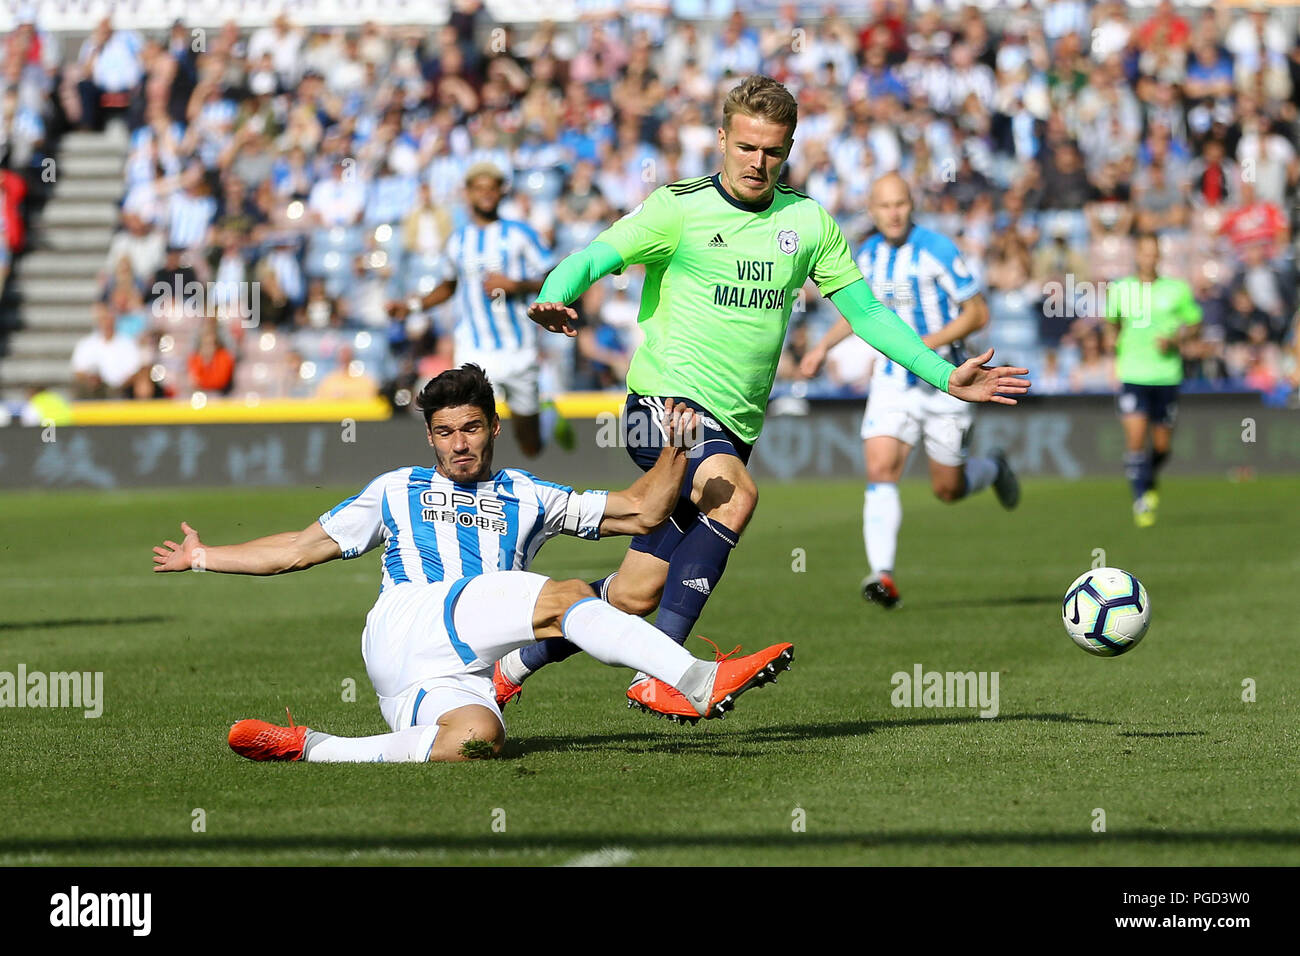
[{"x": 1106, "y": 611}]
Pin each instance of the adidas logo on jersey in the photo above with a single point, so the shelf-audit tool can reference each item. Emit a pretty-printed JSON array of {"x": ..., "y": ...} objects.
[
  {"x": 717, "y": 242},
  {"x": 698, "y": 584}
]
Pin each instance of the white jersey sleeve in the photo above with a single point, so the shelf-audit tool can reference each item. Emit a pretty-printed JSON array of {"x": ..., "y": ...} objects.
[
  {"x": 571, "y": 512},
  {"x": 357, "y": 524}
]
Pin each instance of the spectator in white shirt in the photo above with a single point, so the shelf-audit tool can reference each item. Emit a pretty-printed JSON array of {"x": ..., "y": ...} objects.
[
  {"x": 105, "y": 362},
  {"x": 339, "y": 200}
]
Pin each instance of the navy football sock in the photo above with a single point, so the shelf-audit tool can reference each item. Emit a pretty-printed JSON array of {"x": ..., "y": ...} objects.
[
  {"x": 694, "y": 570},
  {"x": 558, "y": 649},
  {"x": 1158, "y": 458},
  {"x": 1137, "y": 468}
]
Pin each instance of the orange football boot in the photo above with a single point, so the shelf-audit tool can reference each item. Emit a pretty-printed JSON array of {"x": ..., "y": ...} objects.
[
  {"x": 731, "y": 679},
  {"x": 259, "y": 740},
  {"x": 505, "y": 689}
]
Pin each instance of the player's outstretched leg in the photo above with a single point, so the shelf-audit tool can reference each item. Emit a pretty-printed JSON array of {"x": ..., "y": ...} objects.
[
  {"x": 509, "y": 673},
  {"x": 463, "y": 733},
  {"x": 614, "y": 637}
]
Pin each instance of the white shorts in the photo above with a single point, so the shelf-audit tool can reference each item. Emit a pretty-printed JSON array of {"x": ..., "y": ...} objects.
[
  {"x": 429, "y": 648},
  {"x": 910, "y": 413},
  {"x": 513, "y": 373}
]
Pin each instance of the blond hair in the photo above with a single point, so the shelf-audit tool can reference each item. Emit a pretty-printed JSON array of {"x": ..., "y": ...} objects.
[{"x": 762, "y": 98}]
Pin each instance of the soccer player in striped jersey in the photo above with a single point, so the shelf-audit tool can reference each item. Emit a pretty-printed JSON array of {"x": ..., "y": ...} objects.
[
  {"x": 496, "y": 265},
  {"x": 726, "y": 257},
  {"x": 1149, "y": 318},
  {"x": 920, "y": 274},
  {"x": 456, "y": 592}
]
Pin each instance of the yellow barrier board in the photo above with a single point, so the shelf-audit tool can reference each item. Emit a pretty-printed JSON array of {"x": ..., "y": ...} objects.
[{"x": 228, "y": 411}]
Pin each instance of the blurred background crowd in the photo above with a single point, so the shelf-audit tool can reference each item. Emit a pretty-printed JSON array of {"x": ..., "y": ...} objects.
[{"x": 309, "y": 178}]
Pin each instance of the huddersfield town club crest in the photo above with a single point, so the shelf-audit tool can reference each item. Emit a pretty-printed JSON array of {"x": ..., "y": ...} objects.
[{"x": 788, "y": 241}]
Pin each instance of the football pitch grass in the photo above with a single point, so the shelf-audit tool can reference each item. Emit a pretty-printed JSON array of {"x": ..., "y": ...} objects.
[{"x": 819, "y": 769}]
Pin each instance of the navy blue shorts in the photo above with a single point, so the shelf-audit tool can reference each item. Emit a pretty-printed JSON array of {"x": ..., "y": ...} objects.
[
  {"x": 643, "y": 439},
  {"x": 1159, "y": 403}
]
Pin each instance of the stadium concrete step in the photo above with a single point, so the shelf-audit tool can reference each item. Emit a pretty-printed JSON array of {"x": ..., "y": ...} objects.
[
  {"x": 20, "y": 373},
  {"x": 34, "y": 344},
  {"x": 78, "y": 212},
  {"x": 59, "y": 290},
  {"x": 90, "y": 165},
  {"x": 65, "y": 264},
  {"x": 95, "y": 189},
  {"x": 54, "y": 318},
  {"x": 114, "y": 138},
  {"x": 74, "y": 239}
]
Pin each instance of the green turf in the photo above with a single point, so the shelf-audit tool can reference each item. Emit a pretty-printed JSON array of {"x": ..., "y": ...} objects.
[{"x": 1186, "y": 772}]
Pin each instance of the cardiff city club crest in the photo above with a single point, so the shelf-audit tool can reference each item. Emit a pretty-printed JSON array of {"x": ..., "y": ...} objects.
[{"x": 788, "y": 241}]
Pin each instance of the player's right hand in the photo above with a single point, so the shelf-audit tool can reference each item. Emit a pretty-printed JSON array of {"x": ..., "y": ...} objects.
[
  {"x": 186, "y": 556},
  {"x": 680, "y": 425},
  {"x": 811, "y": 362},
  {"x": 554, "y": 317}
]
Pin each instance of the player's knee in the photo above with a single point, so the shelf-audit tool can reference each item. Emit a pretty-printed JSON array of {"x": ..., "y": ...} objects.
[
  {"x": 949, "y": 492},
  {"x": 638, "y": 603},
  {"x": 573, "y": 591}
]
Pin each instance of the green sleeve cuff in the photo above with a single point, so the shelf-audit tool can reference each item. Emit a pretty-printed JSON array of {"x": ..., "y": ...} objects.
[
  {"x": 882, "y": 329},
  {"x": 578, "y": 272}
]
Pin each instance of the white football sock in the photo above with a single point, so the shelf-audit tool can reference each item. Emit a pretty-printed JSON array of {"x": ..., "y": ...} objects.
[
  {"x": 882, "y": 514},
  {"x": 980, "y": 473},
  {"x": 405, "y": 746},
  {"x": 513, "y": 667},
  {"x": 624, "y": 640}
]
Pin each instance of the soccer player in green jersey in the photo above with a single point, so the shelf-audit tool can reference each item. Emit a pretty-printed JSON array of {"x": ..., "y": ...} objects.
[
  {"x": 725, "y": 257},
  {"x": 1149, "y": 318}
]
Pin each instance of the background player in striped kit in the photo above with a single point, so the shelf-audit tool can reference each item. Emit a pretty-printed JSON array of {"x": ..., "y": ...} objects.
[
  {"x": 456, "y": 593},
  {"x": 921, "y": 276},
  {"x": 726, "y": 257},
  {"x": 496, "y": 264}
]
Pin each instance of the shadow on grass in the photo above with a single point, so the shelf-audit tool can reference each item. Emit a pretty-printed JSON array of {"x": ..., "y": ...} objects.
[
  {"x": 1163, "y": 733},
  {"x": 1009, "y": 600},
  {"x": 498, "y": 843},
  {"x": 673, "y": 739},
  {"x": 56, "y": 622}
]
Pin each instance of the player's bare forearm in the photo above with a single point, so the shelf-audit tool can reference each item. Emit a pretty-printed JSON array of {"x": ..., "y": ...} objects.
[
  {"x": 273, "y": 554},
  {"x": 974, "y": 316},
  {"x": 436, "y": 296}
]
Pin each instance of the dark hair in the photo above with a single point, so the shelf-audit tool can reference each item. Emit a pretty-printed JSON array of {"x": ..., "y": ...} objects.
[
  {"x": 467, "y": 385},
  {"x": 1146, "y": 237}
]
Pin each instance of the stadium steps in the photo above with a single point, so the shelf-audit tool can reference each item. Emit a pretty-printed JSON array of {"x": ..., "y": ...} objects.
[{"x": 47, "y": 303}]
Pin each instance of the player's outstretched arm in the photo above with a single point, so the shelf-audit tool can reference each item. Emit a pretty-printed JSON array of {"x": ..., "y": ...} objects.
[
  {"x": 274, "y": 554},
  {"x": 648, "y": 502},
  {"x": 973, "y": 381},
  {"x": 576, "y": 273}
]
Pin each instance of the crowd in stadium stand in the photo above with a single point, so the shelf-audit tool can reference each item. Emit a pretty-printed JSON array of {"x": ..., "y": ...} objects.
[{"x": 325, "y": 165}]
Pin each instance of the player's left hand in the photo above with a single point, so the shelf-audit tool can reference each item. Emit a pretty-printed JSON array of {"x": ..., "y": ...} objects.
[
  {"x": 171, "y": 556},
  {"x": 973, "y": 381}
]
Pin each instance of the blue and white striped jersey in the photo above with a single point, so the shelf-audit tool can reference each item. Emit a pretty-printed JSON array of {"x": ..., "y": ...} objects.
[
  {"x": 434, "y": 529},
  {"x": 925, "y": 281},
  {"x": 511, "y": 248}
]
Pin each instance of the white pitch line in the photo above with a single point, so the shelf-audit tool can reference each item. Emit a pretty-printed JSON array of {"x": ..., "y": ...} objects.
[{"x": 605, "y": 856}]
